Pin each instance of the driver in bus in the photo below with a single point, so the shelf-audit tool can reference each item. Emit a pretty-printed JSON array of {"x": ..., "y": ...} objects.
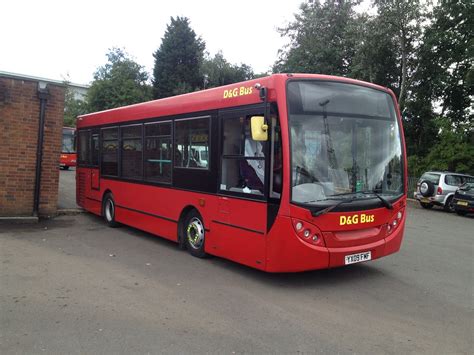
[{"x": 253, "y": 171}]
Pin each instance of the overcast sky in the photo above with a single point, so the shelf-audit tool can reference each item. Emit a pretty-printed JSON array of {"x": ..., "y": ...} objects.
[{"x": 53, "y": 39}]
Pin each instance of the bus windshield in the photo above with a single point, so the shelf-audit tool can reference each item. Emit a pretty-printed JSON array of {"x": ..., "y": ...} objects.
[
  {"x": 345, "y": 142},
  {"x": 68, "y": 145}
]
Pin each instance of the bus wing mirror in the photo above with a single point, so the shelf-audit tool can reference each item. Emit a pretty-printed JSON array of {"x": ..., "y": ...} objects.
[{"x": 259, "y": 128}]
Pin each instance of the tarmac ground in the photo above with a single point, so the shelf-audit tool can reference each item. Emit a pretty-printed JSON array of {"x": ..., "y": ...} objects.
[{"x": 71, "y": 285}]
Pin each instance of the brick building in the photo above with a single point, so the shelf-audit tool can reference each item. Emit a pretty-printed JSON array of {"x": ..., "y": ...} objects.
[{"x": 31, "y": 111}]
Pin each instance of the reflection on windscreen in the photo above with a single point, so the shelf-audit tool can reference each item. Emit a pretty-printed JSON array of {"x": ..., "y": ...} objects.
[
  {"x": 68, "y": 143},
  {"x": 344, "y": 139}
]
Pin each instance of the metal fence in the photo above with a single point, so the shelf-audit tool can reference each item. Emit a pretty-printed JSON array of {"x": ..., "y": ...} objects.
[{"x": 411, "y": 185}]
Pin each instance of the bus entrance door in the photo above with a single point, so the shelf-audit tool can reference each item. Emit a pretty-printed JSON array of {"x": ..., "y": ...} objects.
[{"x": 241, "y": 229}]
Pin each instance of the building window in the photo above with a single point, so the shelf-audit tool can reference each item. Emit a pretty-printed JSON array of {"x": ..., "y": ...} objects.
[
  {"x": 132, "y": 152},
  {"x": 158, "y": 152},
  {"x": 109, "y": 151},
  {"x": 243, "y": 159},
  {"x": 192, "y": 143}
]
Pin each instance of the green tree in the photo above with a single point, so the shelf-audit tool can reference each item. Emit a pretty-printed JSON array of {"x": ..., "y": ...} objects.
[
  {"x": 403, "y": 19},
  {"x": 218, "y": 71},
  {"x": 438, "y": 111},
  {"x": 375, "y": 56},
  {"x": 452, "y": 152},
  {"x": 72, "y": 107},
  {"x": 121, "y": 81},
  {"x": 320, "y": 38},
  {"x": 178, "y": 61},
  {"x": 448, "y": 50}
]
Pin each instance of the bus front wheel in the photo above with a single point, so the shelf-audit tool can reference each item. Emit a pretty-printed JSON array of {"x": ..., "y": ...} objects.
[
  {"x": 108, "y": 210},
  {"x": 194, "y": 234}
]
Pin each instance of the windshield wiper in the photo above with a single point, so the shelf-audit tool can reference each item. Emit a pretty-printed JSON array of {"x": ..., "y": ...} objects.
[
  {"x": 387, "y": 204},
  {"x": 330, "y": 208}
]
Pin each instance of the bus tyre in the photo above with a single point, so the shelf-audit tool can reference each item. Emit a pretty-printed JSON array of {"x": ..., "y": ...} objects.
[
  {"x": 108, "y": 211},
  {"x": 194, "y": 234}
]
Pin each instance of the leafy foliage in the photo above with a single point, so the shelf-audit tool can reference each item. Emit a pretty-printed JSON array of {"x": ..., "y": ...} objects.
[
  {"x": 425, "y": 57},
  {"x": 73, "y": 107},
  {"x": 402, "y": 18},
  {"x": 218, "y": 71},
  {"x": 178, "y": 61},
  {"x": 121, "y": 81},
  {"x": 321, "y": 39},
  {"x": 449, "y": 52},
  {"x": 375, "y": 53}
]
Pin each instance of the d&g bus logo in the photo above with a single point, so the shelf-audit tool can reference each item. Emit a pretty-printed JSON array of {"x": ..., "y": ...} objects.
[
  {"x": 241, "y": 91},
  {"x": 356, "y": 219}
]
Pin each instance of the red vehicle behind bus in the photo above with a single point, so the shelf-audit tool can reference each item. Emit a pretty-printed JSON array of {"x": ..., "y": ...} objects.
[
  {"x": 68, "y": 155},
  {"x": 286, "y": 173}
]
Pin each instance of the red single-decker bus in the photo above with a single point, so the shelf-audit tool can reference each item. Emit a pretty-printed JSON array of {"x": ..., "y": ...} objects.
[
  {"x": 285, "y": 173},
  {"x": 68, "y": 155}
]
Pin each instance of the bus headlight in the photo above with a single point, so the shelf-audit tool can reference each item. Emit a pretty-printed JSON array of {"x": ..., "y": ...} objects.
[{"x": 308, "y": 232}]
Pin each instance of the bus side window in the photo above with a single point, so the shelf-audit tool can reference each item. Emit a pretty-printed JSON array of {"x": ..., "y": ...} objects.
[
  {"x": 243, "y": 159},
  {"x": 109, "y": 159},
  {"x": 95, "y": 149},
  {"x": 132, "y": 152},
  {"x": 158, "y": 152},
  {"x": 192, "y": 139},
  {"x": 276, "y": 178},
  {"x": 84, "y": 151}
]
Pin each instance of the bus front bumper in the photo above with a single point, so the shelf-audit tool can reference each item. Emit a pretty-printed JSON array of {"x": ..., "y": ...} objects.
[{"x": 291, "y": 254}]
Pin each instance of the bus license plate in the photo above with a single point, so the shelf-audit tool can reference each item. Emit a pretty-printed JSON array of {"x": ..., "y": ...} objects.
[{"x": 357, "y": 258}]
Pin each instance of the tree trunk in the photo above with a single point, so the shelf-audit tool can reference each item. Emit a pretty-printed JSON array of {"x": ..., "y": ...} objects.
[{"x": 401, "y": 96}]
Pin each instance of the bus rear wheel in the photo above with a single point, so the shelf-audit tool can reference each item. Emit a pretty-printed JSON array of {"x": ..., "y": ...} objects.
[
  {"x": 108, "y": 211},
  {"x": 194, "y": 234}
]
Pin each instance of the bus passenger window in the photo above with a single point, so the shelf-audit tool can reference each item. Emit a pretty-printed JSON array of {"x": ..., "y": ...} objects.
[
  {"x": 158, "y": 152},
  {"x": 132, "y": 152},
  {"x": 243, "y": 159},
  {"x": 95, "y": 149},
  {"x": 84, "y": 151},
  {"x": 109, "y": 166},
  {"x": 192, "y": 143}
]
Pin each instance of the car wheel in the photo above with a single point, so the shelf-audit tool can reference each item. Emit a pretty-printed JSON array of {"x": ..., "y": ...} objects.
[
  {"x": 194, "y": 234},
  {"x": 108, "y": 211},
  {"x": 426, "y": 188},
  {"x": 449, "y": 205},
  {"x": 428, "y": 206},
  {"x": 461, "y": 213}
]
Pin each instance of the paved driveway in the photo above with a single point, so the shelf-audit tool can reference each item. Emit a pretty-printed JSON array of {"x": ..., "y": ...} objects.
[
  {"x": 67, "y": 189},
  {"x": 72, "y": 285}
]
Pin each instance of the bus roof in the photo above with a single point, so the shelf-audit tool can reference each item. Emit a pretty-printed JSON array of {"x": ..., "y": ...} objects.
[{"x": 233, "y": 95}]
